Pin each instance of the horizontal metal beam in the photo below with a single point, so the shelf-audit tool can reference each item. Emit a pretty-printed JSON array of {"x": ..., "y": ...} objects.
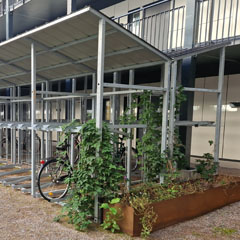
[
  {"x": 188, "y": 89},
  {"x": 80, "y": 95},
  {"x": 59, "y": 54},
  {"x": 15, "y": 172},
  {"x": 10, "y": 97},
  {"x": 127, "y": 126},
  {"x": 4, "y": 180},
  {"x": 10, "y": 166},
  {"x": 120, "y": 92},
  {"x": 136, "y": 66},
  {"x": 139, "y": 87},
  {"x": 57, "y": 48},
  {"x": 40, "y": 126},
  {"x": 19, "y": 68},
  {"x": 123, "y": 51},
  {"x": 57, "y": 93},
  {"x": 195, "y": 123}
]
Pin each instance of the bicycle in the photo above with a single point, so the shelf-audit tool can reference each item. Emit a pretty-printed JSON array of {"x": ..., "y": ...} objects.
[
  {"x": 52, "y": 184},
  {"x": 53, "y": 173},
  {"x": 26, "y": 143},
  {"x": 122, "y": 153}
]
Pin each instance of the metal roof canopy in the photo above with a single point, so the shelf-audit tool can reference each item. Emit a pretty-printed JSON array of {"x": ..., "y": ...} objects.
[
  {"x": 189, "y": 52},
  {"x": 68, "y": 47}
]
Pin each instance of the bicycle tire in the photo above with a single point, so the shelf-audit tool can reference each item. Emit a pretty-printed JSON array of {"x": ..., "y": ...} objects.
[
  {"x": 58, "y": 188},
  {"x": 37, "y": 143},
  {"x": 3, "y": 145},
  {"x": 134, "y": 160}
]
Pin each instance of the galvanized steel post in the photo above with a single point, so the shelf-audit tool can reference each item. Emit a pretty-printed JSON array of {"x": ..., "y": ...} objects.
[
  {"x": 99, "y": 102},
  {"x": 33, "y": 119}
]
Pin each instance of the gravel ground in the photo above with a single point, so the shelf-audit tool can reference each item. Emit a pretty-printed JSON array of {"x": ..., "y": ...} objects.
[
  {"x": 222, "y": 224},
  {"x": 25, "y": 218},
  {"x": 22, "y": 217}
]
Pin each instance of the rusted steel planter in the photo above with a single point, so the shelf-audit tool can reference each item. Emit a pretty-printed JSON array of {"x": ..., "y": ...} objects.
[{"x": 182, "y": 208}]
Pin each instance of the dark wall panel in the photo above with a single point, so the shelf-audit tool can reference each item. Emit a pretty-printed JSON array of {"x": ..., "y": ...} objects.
[{"x": 39, "y": 12}]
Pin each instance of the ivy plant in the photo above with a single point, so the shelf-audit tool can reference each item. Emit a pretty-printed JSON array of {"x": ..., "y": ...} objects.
[
  {"x": 113, "y": 215},
  {"x": 206, "y": 166},
  {"x": 149, "y": 145},
  {"x": 98, "y": 173}
]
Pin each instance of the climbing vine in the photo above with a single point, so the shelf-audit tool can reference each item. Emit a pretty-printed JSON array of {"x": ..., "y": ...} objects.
[
  {"x": 98, "y": 173},
  {"x": 149, "y": 145}
]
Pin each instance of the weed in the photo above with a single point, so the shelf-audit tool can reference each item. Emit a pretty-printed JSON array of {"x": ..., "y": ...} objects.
[
  {"x": 224, "y": 231},
  {"x": 113, "y": 215}
]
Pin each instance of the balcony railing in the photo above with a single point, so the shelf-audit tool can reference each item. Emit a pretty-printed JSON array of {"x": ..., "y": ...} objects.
[
  {"x": 13, "y": 4},
  {"x": 165, "y": 30},
  {"x": 218, "y": 20}
]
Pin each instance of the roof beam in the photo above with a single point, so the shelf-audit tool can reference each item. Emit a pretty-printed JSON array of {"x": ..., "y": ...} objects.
[
  {"x": 124, "y": 51},
  {"x": 82, "y": 40},
  {"x": 59, "y": 54},
  {"x": 21, "y": 69}
]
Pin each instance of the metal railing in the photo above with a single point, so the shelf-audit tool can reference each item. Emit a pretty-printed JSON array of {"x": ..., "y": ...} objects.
[
  {"x": 165, "y": 30},
  {"x": 217, "y": 20},
  {"x": 13, "y": 4}
]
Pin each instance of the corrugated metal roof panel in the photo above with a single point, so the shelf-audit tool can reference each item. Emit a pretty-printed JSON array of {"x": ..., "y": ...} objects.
[{"x": 68, "y": 46}]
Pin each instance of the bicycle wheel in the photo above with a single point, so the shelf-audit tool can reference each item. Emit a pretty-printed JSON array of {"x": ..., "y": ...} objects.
[
  {"x": 28, "y": 144},
  {"x": 134, "y": 159},
  {"x": 38, "y": 143},
  {"x": 4, "y": 147},
  {"x": 52, "y": 180}
]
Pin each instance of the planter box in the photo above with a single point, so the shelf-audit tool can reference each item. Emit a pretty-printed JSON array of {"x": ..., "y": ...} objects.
[{"x": 183, "y": 208}]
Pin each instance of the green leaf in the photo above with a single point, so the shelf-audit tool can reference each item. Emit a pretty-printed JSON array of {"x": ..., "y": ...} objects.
[
  {"x": 104, "y": 206},
  {"x": 115, "y": 200},
  {"x": 113, "y": 210}
]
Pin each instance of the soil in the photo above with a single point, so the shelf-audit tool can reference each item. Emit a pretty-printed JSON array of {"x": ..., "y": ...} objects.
[{"x": 157, "y": 192}]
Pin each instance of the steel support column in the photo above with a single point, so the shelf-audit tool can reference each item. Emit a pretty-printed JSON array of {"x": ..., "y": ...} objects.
[
  {"x": 188, "y": 75},
  {"x": 114, "y": 112},
  {"x": 219, "y": 104},
  {"x": 166, "y": 83},
  {"x": 172, "y": 107},
  {"x": 1, "y": 130},
  {"x": 72, "y": 157},
  {"x": 99, "y": 102},
  {"x": 47, "y": 153},
  {"x": 13, "y": 131},
  {"x": 71, "y": 6},
  {"x": 7, "y": 135},
  {"x": 129, "y": 140},
  {"x": 9, "y": 21},
  {"x": 33, "y": 119},
  {"x": 58, "y": 110},
  {"x": 93, "y": 98},
  {"x": 42, "y": 120},
  {"x": 20, "y": 135}
]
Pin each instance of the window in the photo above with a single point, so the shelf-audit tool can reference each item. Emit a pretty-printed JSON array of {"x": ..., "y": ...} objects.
[{"x": 134, "y": 23}]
